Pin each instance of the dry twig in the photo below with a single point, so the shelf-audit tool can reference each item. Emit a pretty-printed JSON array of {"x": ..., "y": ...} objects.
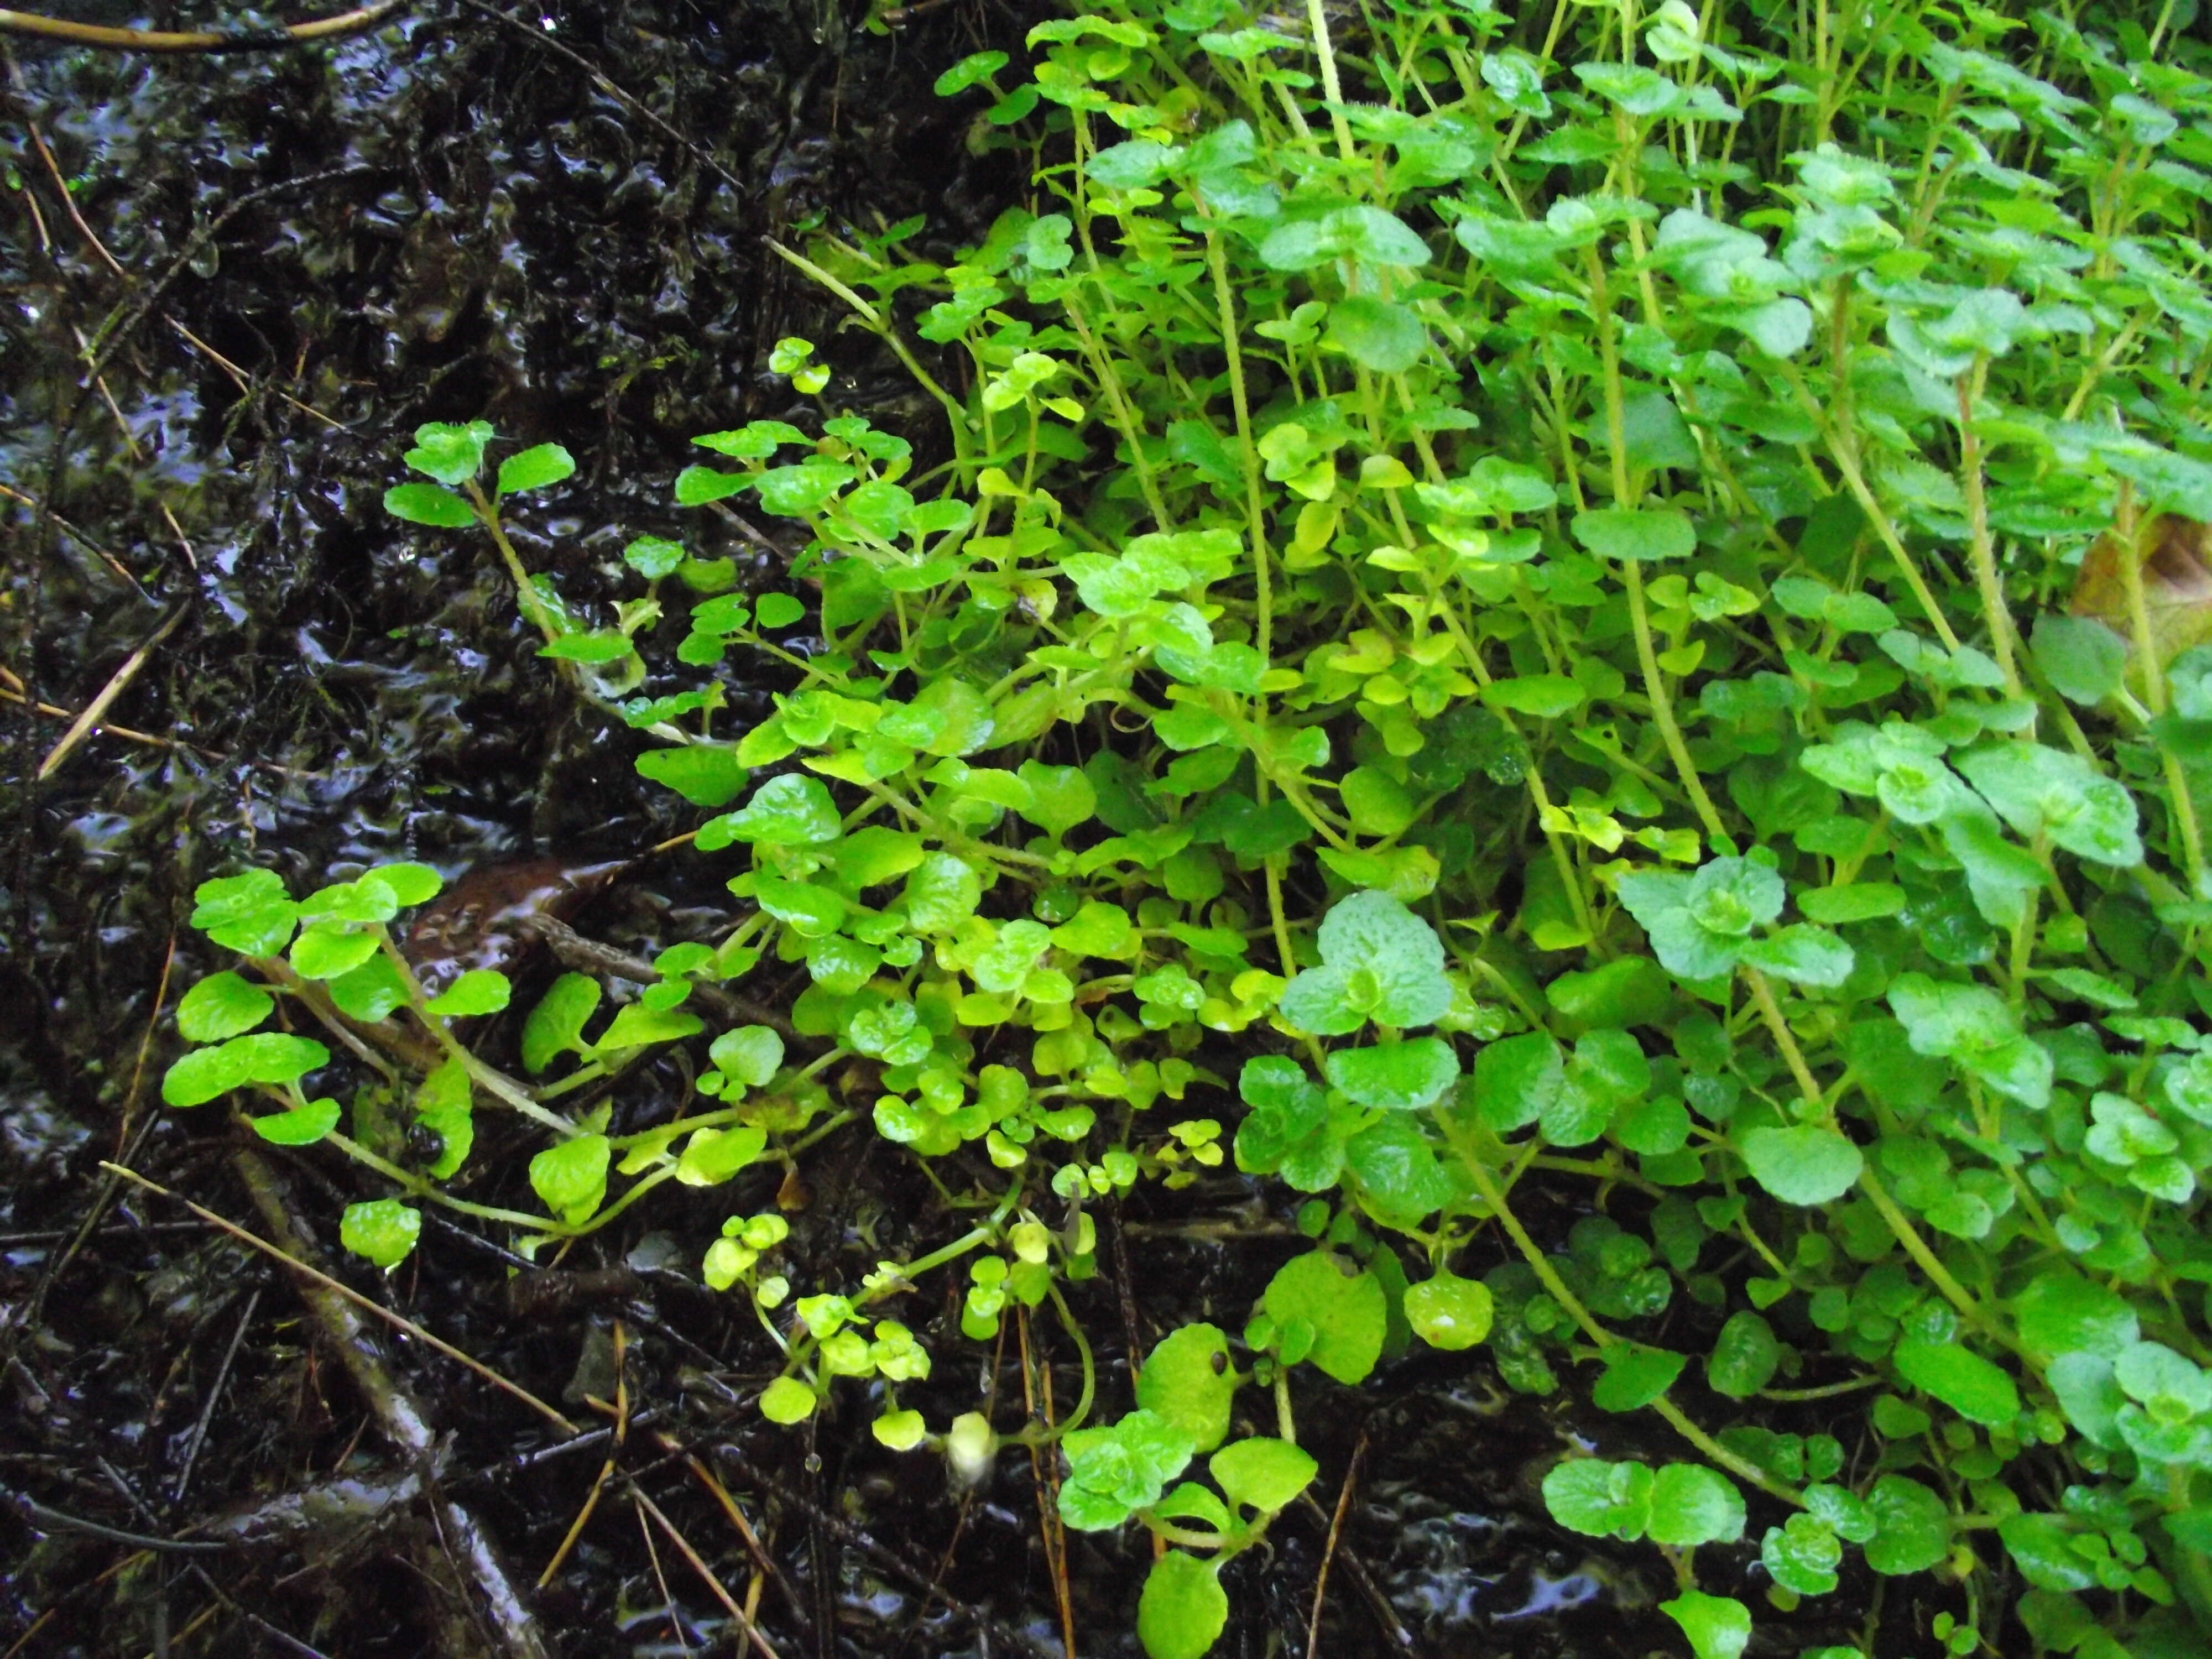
[
  {"x": 355, "y": 22},
  {"x": 335, "y": 1287}
]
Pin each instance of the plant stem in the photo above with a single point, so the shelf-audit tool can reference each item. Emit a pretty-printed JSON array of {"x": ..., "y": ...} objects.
[
  {"x": 1994, "y": 613},
  {"x": 1625, "y": 496},
  {"x": 1486, "y": 1187},
  {"x": 1254, "y": 512},
  {"x": 1317, "y": 19}
]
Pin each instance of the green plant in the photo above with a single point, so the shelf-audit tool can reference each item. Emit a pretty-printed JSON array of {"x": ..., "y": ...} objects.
[{"x": 1552, "y": 533}]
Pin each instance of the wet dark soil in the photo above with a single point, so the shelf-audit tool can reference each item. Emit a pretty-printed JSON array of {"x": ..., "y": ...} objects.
[{"x": 312, "y": 251}]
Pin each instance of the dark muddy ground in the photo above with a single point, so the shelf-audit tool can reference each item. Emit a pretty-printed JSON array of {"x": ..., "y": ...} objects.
[{"x": 312, "y": 251}]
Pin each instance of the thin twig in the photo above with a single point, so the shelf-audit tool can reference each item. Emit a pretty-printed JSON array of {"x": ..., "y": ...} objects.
[
  {"x": 214, "y": 1394},
  {"x": 145, "y": 1045},
  {"x": 69, "y": 201},
  {"x": 204, "y": 41},
  {"x": 1044, "y": 1477},
  {"x": 890, "y": 1559},
  {"x": 117, "y": 684},
  {"x": 668, "y": 1597},
  {"x": 240, "y": 378},
  {"x": 606, "y": 1469},
  {"x": 721, "y": 1591},
  {"x": 129, "y": 734},
  {"x": 1377, "y": 1602},
  {"x": 48, "y": 1519},
  {"x": 76, "y": 534},
  {"x": 398, "y": 1322},
  {"x": 470, "y": 1559},
  {"x": 537, "y": 36},
  {"x": 1328, "y": 1551}
]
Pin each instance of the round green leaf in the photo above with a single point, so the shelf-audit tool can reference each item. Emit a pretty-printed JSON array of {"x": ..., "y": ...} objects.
[
  {"x": 1400, "y": 1178},
  {"x": 2080, "y": 655},
  {"x": 302, "y": 1126},
  {"x": 637, "y": 1025},
  {"x": 696, "y": 486},
  {"x": 1183, "y": 1607},
  {"x": 572, "y": 1177},
  {"x": 556, "y": 1025},
  {"x": 792, "y": 810},
  {"x": 712, "y": 1156},
  {"x": 450, "y": 452},
  {"x": 1802, "y": 1164},
  {"x": 1635, "y": 1375},
  {"x": 1803, "y": 956},
  {"x": 2171, "y": 1386},
  {"x": 1913, "y": 1526},
  {"x": 1379, "y": 805},
  {"x": 1379, "y": 961},
  {"x": 976, "y": 66},
  {"x": 1691, "y": 1504},
  {"x": 1802, "y": 1555},
  {"x": 1345, "y": 1309},
  {"x": 1262, "y": 1473},
  {"x": 706, "y": 775},
  {"x": 1600, "y": 1499},
  {"x": 1636, "y": 533},
  {"x": 1188, "y": 1379},
  {"x": 199, "y": 1077},
  {"x": 899, "y": 1431},
  {"x": 478, "y": 991},
  {"x": 779, "y": 610},
  {"x": 221, "y": 1005},
  {"x": 1745, "y": 1356},
  {"x": 597, "y": 647},
  {"x": 270, "y": 1057},
  {"x": 1132, "y": 164},
  {"x": 1371, "y": 234},
  {"x": 1718, "y": 1626},
  {"x": 787, "y": 1401},
  {"x": 328, "y": 949},
  {"x": 370, "y": 899},
  {"x": 535, "y": 468},
  {"x": 250, "y": 912},
  {"x": 384, "y": 1229},
  {"x": 1731, "y": 896},
  {"x": 1546, "y": 697},
  {"x": 1396, "y": 1076},
  {"x": 1448, "y": 1312},
  {"x": 1377, "y": 334},
  {"x": 750, "y": 1054},
  {"x": 653, "y": 557},
  {"x": 1642, "y": 92},
  {"x": 1859, "y": 902},
  {"x": 369, "y": 993},
  {"x": 1517, "y": 1080},
  {"x": 408, "y": 883},
  {"x": 2042, "y": 1547},
  {"x": 1969, "y": 1384},
  {"x": 427, "y": 504}
]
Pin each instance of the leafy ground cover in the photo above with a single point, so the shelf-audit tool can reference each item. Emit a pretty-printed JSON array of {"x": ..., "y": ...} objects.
[{"x": 1602, "y": 603}]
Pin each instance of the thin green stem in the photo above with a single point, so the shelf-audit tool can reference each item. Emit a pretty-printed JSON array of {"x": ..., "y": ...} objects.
[
  {"x": 1996, "y": 615},
  {"x": 1317, "y": 19},
  {"x": 1487, "y": 1188},
  {"x": 1249, "y": 456}
]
